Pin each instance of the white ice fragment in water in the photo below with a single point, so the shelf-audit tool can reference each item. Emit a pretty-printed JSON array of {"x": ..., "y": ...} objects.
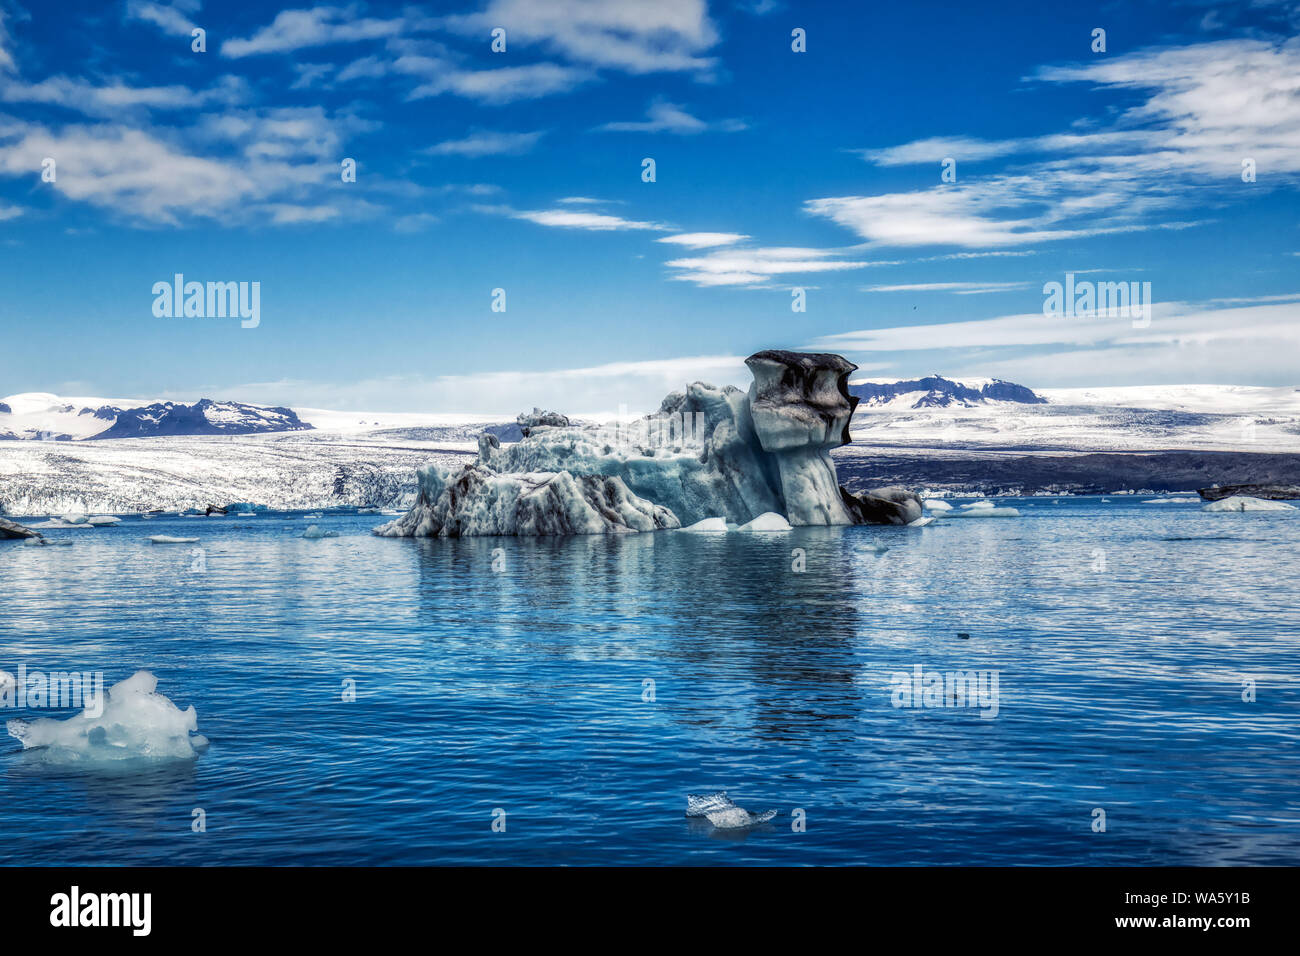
[
  {"x": 708, "y": 525},
  {"x": 982, "y": 509},
  {"x": 314, "y": 533},
  {"x": 722, "y": 812},
  {"x": 1247, "y": 503},
  {"x": 103, "y": 521},
  {"x": 171, "y": 539},
  {"x": 132, "y": 722},
  {"x": 937, "y": 504},
  {"x": 73, "y": 518},
  {"x": 767, "y": 521}
]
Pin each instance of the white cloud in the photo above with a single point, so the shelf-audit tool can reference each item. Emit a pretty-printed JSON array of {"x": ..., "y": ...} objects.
[
  {"x": 577, "y": 219},
  {"x": 755, "y": 266},
  {"x": 635, "y": 36},
  {"x": 486, "y": 143},
  {"x": 172, "y": 18},
  {"x": 1203, "y": 109},
  {"x": 319, "y": 26},
  {"x": 1184, "y": 342},
  {"x": 704, "y": 240},
  {"x": 7, "y": 64},
  {"x": 505, "y": 85},
  {"x": 116, "y": 97},
  {"x": 960, "y": 288},
  {"x": 665, "y": 117},
  {"x": 593, "y": 391}
]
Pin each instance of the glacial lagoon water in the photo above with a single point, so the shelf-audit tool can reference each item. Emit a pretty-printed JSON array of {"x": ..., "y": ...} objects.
[{"x": 1122, "y": 635}]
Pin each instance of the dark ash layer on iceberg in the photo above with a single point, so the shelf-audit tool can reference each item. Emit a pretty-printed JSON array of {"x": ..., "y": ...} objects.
[{"x": 479, "y": 501}]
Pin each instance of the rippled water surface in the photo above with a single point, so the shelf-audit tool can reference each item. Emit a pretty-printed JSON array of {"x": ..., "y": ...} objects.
[{"x": 1121, "y": 633}]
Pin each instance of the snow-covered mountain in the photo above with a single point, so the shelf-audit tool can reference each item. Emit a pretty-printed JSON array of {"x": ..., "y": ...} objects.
[
  {"x": 1134, "y": 418},
  {"x": 45, "y": 417},
  {"x": 935, "y": 391}
]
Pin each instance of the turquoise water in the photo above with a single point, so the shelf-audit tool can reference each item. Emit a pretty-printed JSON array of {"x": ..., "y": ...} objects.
[{"x": 1121, "y": 634}]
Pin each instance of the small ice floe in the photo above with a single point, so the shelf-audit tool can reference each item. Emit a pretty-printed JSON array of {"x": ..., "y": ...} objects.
[
  {"x": 46, "y": 542},
  {"x": 369, "y": 510},
  {"x": 708, "y": 525},
  {"x": 1170, "y": 501},
  {"x": 720, "y": 811},
  {"x": 130, "y": 721},
  {"x": 314, "y": 533},
  {"x": 1247, "y": 503},
  {"x": 73, "y": 517},
  {"x": 103, "y": 521},
  {"x": 983, "y": 509},
  {"x": 318, "y": 515},
  {"x": 171, "y": 539},
  {"x": 767, "y": 521},
  {"x": 937, "y": 505}
]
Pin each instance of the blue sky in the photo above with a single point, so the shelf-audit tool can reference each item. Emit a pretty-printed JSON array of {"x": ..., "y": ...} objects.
[{"x": 522, "y": 170}]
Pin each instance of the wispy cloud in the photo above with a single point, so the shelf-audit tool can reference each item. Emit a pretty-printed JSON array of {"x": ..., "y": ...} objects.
[
  {"x": 755, "y": 266},
  {"x": 1184, "y": 342},
  {"x": 320, "y": 26},
  {"x": 577, "y": 219},
  {"x": 487, "y": 143},
  {"x": 172, "y": 18},
  {"x": 592, "y": 391},
  {"x": 634, "y": 36},
  {"x": 665, "y": 117},
  {"x": 704, "y": 240},
  {"x": 1204, "y": 109},
  {"x": 960, "y": 288}
]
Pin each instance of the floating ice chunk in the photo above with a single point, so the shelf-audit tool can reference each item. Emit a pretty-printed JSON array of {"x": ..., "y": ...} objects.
[
  {"x": 133, "y": 722},
  {"x": 1247, "y": 503},
  {"x": 700, "y": 804},
  {"x": 767, "y": 521},
  {"x": 1170, "y": 501},
  {"x": 937, "y": 504},
  {"x": 722, "y": 812},
  {"x": 708, "y": 525},
  {"x": 988, "y": 511},
  {"x": 974, "y": 505},
  {"x": 103, "y": 521},
  {"x": 73, "y": 517},
  {"x": 921, "y": 522},
  {"x": 171, "y": 539},
  {"x": 314, "y": 533},
  {"x": 46, "y": 542},
  {"x": 737, "y": 818}
]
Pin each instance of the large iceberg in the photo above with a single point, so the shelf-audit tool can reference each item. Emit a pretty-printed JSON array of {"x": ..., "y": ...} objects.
[{"x": 708, "y": 452}]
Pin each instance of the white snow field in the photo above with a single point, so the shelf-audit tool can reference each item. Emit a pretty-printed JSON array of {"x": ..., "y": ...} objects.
[{"x": 1137, "y": 418}]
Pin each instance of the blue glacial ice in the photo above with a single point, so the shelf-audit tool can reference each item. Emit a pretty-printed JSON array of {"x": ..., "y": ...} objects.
[{"x": 707, "y": 453}]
